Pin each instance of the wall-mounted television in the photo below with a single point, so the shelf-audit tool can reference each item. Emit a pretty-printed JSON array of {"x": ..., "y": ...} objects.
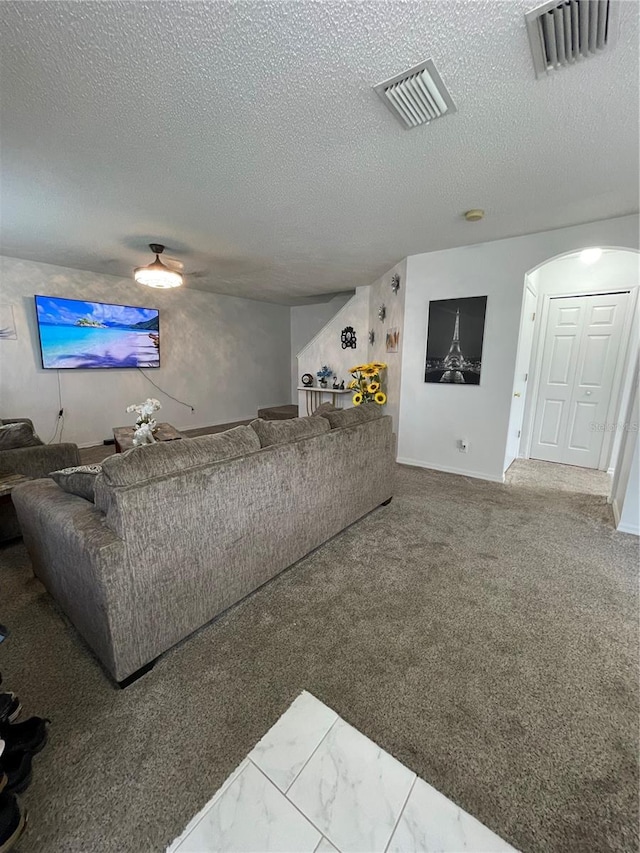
[{"x": 79, "y": 334}]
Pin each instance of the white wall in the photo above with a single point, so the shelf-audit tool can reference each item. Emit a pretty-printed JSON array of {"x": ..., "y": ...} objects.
[
  {"x": 306, "y": 322},
  {"x": 326, "y": 348},
  {"x": 380, "y": 293},
  {"x": 225, "y": 356},
  {"x": 625, "y": 490},
  {"x": 361, "y": 312},
  {"x": 433, "y": 417}
]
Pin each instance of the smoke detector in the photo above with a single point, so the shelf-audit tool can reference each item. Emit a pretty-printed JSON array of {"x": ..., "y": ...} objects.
[
  {"x": 416, "y": 96},
  {"x": 561, "y": 34}
]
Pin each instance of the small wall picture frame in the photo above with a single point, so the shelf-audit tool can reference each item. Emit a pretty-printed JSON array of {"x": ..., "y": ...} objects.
[
  {"x": 348, "y": 338},
  {"x": 393, "y": 339}
]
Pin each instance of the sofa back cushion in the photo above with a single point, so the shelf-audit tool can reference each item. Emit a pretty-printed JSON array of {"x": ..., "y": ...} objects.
[
  {"x": 356, "y": 415},
  {"x": 16, "y": 435},
  {"x": 284, "y": 432},
  {"x": 171, "y": 457}
]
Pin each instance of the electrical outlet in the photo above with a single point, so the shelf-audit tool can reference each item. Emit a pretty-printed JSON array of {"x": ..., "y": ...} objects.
[{"x": 463, "y": 445}]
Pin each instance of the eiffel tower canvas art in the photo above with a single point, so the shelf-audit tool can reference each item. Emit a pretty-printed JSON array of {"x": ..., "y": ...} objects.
[{"x": 454, "y": 341}]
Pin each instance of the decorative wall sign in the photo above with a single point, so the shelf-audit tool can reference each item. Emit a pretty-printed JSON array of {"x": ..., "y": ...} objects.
[
  {"x": 307, "y": 380},
  {"x": 372, "y": 336},
  {"x": 393, "y": 337},
  {"x": 395, "y": 282},
  {"x": 382, "y": 312},
  {"x": 348, "y": 338},
  {"x": 454, "y": 340},
  {"x": 7, "y": 323}
]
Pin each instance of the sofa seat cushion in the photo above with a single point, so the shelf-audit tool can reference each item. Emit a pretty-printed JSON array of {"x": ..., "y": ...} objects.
[
  {"x": 79, "y": 480},
  {"x": 170, "y": 457},
  {"x": 284, "y": 432},
  {"x": 356, "y": 415}
]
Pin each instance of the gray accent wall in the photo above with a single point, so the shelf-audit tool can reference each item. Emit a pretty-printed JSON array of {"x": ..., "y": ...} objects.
[{"x": 223, "y": 355}]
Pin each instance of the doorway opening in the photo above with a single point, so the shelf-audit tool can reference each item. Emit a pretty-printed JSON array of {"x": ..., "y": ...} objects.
[{"x": 573, "y": 381}]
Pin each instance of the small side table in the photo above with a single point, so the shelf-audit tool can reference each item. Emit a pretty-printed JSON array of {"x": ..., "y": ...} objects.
[
  {"x": 123, "y": 436},
  {"x": 314, "y": 394}
]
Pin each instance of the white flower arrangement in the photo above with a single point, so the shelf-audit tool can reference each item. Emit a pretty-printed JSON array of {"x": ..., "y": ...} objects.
[{"x": 145, "y": 422}]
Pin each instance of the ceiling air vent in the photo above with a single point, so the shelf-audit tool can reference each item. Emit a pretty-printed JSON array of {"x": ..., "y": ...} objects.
[
  {"x": 416, "y": 96},
  {"x": 563, "y": 33}
]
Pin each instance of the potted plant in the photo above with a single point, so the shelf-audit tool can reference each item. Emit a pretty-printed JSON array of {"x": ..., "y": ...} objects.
[
  {"x": 367, "y": 383},
  {"x": 324, "y": 374}
]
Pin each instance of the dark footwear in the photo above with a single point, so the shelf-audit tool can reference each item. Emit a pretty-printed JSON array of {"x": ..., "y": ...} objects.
[
  {"x": 28, "y": 736},
  {"x": 12, "y": 822},
  {"x": 10, "y": 707},
  {"x": 17, "y": 768}
]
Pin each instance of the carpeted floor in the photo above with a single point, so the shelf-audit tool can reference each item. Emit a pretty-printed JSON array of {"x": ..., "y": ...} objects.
[{"x": 485, "y": 635}]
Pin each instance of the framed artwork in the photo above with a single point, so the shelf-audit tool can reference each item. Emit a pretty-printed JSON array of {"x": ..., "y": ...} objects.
[
  {"x": 455, "y": 336},
  {"x": 7, "y": 323},
  {"x": 393, "y": 338}
]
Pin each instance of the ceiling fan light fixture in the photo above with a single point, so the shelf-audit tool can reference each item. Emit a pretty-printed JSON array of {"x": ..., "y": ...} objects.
[{"x": 157, "y": 274}]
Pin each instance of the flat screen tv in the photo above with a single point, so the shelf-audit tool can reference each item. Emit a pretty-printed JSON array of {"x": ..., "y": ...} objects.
[{"x": 75, "y": 334}]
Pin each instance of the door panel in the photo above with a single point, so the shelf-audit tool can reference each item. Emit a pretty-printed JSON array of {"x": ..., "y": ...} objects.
[
  {"x": 561, "y": 360},
  {"x": 580, "y": 350},
  {"x": 580, "y": 434},
  {"x": 551, "y": 422}
]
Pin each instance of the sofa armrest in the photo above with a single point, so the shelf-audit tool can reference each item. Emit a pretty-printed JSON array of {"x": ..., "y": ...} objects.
[
  {"x": 39, "y": 460},
  {"x": 77, "y": 557}
]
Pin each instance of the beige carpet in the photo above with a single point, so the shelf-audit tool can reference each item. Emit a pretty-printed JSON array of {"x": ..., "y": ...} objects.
[{"x": 485, "y": 635}]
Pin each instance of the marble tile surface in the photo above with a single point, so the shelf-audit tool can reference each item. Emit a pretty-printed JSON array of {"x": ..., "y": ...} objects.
[
  {"x": 314, "y": 784},
  {"x": 249, "y": 815},
  {"x": 431, "y": 823},
  {"x": 326, "y": 846},
  {"x": 352, "y": 790},
  {"x": 288, "y": 745}
]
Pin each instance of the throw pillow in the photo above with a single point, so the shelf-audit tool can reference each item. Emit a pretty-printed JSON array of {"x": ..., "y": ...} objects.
[
  {"x": 284, "y": 432},
  {"x": 14, "y": 436},
  {"x": 80, "y": 480},
  {"x": 356, "y": 415},
  {"x": 322, "y": 409}
]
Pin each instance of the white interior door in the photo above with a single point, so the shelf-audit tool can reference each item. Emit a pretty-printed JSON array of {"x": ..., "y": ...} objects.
[
  {"x": 579, "y": 356},
  {"x": 521, "y": 376}
]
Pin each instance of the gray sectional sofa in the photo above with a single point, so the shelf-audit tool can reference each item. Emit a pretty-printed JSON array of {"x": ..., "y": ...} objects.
[{"x": 181, "y": 530}]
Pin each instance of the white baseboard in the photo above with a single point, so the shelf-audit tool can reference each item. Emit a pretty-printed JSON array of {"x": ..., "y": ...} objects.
[
  {"x": 634, "y": 530},
  {"x": 416, "y": 463},
  {"x": 616, "y": 511}
]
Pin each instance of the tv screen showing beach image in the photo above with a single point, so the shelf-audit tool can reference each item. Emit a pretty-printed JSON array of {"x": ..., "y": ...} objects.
[{"x": 96, "y": 334}]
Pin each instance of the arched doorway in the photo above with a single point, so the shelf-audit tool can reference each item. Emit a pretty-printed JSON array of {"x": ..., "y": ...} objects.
[{"x": 577, "y": 348}]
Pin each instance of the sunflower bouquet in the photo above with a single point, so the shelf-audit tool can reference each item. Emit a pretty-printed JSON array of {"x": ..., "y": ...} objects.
[{"x": 367, "y": 384}]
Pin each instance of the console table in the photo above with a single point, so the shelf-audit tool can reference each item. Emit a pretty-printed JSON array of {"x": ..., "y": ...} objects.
[
  {"x": 123, "y": 436},
  {"x": 313, "y": 395}
]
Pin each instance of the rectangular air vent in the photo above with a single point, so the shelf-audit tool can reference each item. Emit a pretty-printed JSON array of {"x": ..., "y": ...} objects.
[
  {"x": 416, "y": 96},
  {"x": 563, "y": 33}
]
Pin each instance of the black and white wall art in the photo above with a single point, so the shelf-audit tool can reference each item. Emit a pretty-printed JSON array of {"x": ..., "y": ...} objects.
[{"x": 454, "y": 340}]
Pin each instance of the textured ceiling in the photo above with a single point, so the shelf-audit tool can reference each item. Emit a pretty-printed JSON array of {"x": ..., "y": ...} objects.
[{"x": 246, "y": 136}]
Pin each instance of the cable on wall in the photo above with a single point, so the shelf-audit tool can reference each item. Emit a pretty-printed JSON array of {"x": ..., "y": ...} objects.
[
  {"x": 166, "y": 393},
  {"x": 59, "y": 416}
]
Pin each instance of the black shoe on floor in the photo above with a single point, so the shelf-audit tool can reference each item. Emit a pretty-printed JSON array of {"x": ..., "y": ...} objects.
[
  {"x": 17, "y": 768},
  {"x": 10, "y": 707},
  {"x": 28, "y": 736},
  {"x": 12, "y": 822}
]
